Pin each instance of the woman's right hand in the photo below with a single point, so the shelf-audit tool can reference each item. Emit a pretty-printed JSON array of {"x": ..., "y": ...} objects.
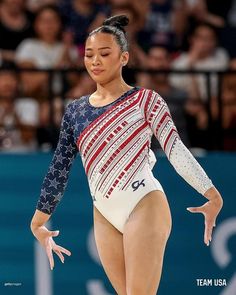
[{"x": 45, "y": 238}]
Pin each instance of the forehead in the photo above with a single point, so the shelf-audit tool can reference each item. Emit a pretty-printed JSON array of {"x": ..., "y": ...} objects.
[
  {"x": 100, "y": 40},
  {"x": 47, "y": 13}
]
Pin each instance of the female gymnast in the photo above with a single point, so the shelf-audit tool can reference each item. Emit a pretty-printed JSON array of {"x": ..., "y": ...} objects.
[{"x": 112, "y": 130}]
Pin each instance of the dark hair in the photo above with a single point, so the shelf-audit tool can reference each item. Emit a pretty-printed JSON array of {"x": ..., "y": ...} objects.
[
  {"x": 115, "y": 26},
  {"x": 51, "y": 7},
  {"x": 212, "y": 28}
]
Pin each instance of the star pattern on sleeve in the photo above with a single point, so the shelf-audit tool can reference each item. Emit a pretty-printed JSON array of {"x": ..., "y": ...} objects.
[
  {"x": 56, "y": 179},
  {"x": 44, "y": 193},
  {"x": 82, "y": 112},
  {"x": 46, "y": 207},
  {"x": 58, "y": 197},
  {"x": 63, "y": 172},
  {"x": 54, "y": 183}
]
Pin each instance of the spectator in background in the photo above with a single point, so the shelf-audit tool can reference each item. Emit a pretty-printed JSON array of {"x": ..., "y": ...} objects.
[
  {"x": 159, "y": 59},
  {"x": 35, "y": 5},
  {"x": 232, "y": 64},
  {"x": 136, "y": 22},
  {"x": 160, "y": 25},
  {"x": 197, "y": 123},
  {"x": 15, "y": 26},
  {"x": 18, "y": 116},
  {"x": 46, "y": 51},
  {"x": 197, "y": 117},
  {"x": 212, "y": 12},
  {"x": 228, "y": 111},
  {"x": 203, "y": 54},
  {"x": 80, "y": 17},
  {"x": 232, "y": 14}
]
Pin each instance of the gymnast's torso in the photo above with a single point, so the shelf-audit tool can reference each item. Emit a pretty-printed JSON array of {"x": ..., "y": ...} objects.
[{"x": 114, "y": 144}]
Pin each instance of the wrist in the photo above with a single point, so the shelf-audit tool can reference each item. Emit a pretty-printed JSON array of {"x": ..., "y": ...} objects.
[
  {"x": 212, "y": 194},
  {"x": 34, "y": 226}
]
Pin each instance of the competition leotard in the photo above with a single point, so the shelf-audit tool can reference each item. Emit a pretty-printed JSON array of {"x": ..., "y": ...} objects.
[{"x": 114, "y": 144}]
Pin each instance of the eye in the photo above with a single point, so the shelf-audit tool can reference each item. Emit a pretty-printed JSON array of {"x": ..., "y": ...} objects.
[
  {"x": 105, "y": 54},
  {"x": 88, "y": 56}
]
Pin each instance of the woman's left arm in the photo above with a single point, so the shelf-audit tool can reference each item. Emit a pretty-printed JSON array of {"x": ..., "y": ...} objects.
[{"x": 158, "y": 116}]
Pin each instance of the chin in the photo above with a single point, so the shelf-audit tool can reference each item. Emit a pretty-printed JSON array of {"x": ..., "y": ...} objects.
[{"x": 102, "y": 80}]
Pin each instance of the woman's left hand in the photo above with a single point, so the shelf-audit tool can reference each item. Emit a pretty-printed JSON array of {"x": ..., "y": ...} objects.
[{"x": 210, "y": 210}]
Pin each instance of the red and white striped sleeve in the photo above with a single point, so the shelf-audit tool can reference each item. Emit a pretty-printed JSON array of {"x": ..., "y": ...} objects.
[{"x": 157, "y": 114}]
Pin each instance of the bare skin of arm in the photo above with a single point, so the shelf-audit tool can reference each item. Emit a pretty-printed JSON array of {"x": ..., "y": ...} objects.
[{"x": 45, "y": 237}]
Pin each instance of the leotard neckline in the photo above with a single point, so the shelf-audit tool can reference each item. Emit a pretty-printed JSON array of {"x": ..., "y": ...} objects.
[{"x": 125, "y": 94}]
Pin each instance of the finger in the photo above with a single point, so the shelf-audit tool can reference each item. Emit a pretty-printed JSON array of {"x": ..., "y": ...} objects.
[
  {"x": 50, "y": 256},
  {"x": 195, "y": 209},
  {"x": 54, "y": 233},
  {"x": 59, "y": 255},
  {"x": 208, "y": 232},
  {"x": 67, "y": 252},
  {"x": 206, "y": 239}
]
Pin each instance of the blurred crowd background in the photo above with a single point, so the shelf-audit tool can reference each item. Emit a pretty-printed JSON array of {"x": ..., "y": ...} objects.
[{"x": 183, "y": 49}]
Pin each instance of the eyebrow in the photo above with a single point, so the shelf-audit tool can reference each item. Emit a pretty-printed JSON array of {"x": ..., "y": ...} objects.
[{"x": 99, "y": 48}]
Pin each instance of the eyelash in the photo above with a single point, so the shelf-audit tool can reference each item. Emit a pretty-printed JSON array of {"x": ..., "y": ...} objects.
[{"x": 90, "y": 56}]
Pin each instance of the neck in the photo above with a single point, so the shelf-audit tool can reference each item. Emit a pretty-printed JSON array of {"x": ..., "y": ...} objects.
[
  {"x": 49, "y": 41},
  {"x": 113, "y": 89}
]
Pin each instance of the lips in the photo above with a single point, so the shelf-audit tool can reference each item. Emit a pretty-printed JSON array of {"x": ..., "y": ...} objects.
[{"x": 97, "y": 71}]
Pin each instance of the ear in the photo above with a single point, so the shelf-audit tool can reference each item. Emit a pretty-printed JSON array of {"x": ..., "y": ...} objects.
[{"x": 124, "y": 58}]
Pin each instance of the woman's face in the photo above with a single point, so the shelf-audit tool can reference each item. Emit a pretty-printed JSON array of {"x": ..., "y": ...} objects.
[
  {"x": 204, "y": 40},
  {"x": 48, "y": 25},
  {"x": 103, "y": 58}
]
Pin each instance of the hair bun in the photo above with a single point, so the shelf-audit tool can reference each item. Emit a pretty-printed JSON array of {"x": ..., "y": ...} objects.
[{"x": 118, "y": 21}]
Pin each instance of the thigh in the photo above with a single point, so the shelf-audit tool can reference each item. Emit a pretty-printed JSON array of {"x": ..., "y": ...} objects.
[
  {"x": 109, "y": 243},
  {"x": 145, "y": 235}
]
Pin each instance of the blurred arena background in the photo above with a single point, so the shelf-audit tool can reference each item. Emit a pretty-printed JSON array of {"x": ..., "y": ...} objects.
[{"x": 183, "y": 49}]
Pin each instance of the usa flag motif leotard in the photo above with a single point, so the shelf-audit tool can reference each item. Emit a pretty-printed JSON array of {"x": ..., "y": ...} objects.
[{"x": 114, "y": 144}]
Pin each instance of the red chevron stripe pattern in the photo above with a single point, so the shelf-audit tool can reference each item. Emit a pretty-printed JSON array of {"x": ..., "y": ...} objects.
[{"x": 114, "y": 147}]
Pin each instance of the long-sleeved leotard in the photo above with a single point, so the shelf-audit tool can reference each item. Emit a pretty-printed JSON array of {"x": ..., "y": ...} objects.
[{"x": 114, "y": 144}]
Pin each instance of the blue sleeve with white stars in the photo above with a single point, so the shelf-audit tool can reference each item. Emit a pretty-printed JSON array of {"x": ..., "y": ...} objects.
[{"x": 55, "y": 181}]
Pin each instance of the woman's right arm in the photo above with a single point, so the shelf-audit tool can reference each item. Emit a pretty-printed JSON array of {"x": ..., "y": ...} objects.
[{"x": 53, "y": 188}]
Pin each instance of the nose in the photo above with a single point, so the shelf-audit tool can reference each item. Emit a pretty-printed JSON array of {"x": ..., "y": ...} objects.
[{"x": 96, "y": 60}]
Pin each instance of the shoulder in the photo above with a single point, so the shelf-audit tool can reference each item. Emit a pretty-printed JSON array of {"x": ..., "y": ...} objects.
[
  {"x": 149, "y": 93},
  {"x": 28, "y": 43},
  {"x": 28, "y": 47},
  {"x": 180, "y": 61},
  {"x": 73, "y": 104},
  {"x": 150, "y": 97},
  {"x": 221, "y": 55}
]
